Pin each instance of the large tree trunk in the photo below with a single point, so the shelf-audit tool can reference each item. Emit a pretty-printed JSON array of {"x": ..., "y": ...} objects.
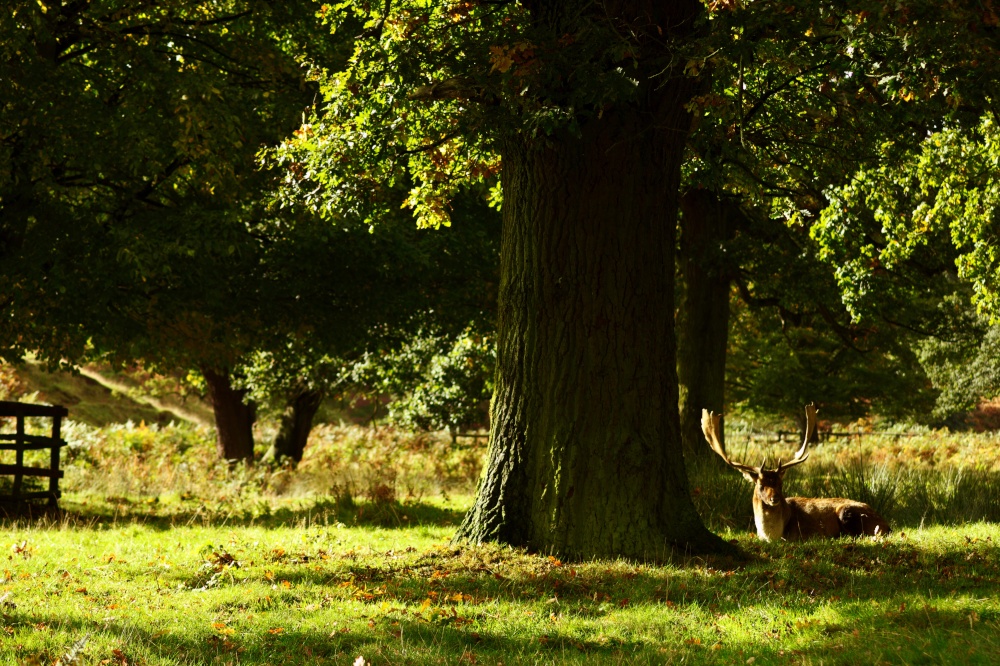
[
  {"x": 234, "y": 417},
  {"x": 585, "y": 455},
  {"x": 703, "y": 322},
  {"x": 296, "y": 422}
]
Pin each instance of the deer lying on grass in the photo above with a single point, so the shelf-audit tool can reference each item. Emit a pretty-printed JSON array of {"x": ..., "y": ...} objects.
[{"x": 795, "y": 518}]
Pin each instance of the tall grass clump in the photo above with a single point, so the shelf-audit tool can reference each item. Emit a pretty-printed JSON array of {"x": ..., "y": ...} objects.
[
  {"x": 130, "y": 459},
  {"x": 877, "y": 484},
  {"x": 345, "y": 462},
  {"x": 385, "y": 463},
  {"x": 949, "y": 496},
  {"x": 721, "y": 495}
]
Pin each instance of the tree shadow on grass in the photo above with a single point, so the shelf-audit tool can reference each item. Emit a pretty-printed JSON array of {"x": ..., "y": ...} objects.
[
  {"x": 469, "y": 636},
  {"x": 846, "y": 601},
  {"x": 386, "y": 515},
  {"x": 790, "y": 581},
  {"x": 800, "y": 575},
  {"x": 386, "y": 640}
]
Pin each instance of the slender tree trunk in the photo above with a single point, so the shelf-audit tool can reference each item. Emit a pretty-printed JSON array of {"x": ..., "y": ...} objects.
[
  {"x": 703, "y": 321},
  {"x": 234, "y": 418},
  {"x": 585, "y": 454},
  {"x": 296, "y": 422}
]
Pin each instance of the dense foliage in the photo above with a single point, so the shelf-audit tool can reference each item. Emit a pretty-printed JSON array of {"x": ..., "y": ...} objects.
[{"x": 127, "y": 170}]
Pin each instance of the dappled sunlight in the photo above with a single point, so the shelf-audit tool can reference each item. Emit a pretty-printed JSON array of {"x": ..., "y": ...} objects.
[
  {"x": 244, "y": 568},
  {"x": 315, "y": 591}
]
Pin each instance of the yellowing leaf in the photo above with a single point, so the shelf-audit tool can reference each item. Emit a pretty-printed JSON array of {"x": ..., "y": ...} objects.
[{"x": 500, "y": 57}]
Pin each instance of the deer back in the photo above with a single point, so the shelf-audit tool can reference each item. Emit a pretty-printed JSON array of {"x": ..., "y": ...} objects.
[{"x": 827, "y": 517}]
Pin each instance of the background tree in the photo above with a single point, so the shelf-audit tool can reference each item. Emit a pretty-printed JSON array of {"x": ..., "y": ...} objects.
[
  {"x": 360, "y": 297},
  {"x": 935, "y": 206},
  {"x": 133, "y": 165},
  {"x": 435, "y": 382},
  {"x": 789, "y": 108},
  {"x": 129, "y": 184},
  {"x": 963, "y": 365}
]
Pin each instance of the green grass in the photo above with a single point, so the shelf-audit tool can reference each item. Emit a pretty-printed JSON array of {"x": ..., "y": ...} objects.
[
  {"x": 304, "y": 587},
  {"x": 163, "y": 556}
]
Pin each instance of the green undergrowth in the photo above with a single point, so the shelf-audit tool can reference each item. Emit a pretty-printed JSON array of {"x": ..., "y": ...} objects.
[{"x": 178, "y": 462}]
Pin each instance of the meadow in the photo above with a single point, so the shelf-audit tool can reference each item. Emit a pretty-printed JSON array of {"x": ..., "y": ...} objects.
[{"x": 162, "y": 556}]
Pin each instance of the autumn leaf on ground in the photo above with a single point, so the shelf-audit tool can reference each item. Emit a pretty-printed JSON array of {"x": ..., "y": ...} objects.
[
  {"x": 23, "y": 549},
  {"x": 223, "y": 628}
]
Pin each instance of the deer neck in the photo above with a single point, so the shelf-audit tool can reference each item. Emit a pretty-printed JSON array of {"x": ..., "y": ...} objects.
[{"x": 770, "y": 519}]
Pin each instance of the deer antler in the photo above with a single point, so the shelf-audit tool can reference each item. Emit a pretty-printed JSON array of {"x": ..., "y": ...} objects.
[
  {"x": 711, "y": 424},
  {"x": 801, "y": 455}
]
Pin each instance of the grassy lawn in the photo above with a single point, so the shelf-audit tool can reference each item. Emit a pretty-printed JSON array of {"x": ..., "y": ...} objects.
[
  {"x": 163, "y": 556},
  {"x": 160, "y": 585}
]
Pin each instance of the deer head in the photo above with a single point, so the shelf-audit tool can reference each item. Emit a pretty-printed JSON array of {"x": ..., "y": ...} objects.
[{"x": 767, "y": 482}]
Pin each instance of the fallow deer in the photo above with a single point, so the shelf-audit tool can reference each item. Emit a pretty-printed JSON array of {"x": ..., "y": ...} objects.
[{"x": 795, "y": 518}]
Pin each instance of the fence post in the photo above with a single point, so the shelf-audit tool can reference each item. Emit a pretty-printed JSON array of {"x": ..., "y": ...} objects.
[
  {"x": 54, "y": 464},
  {"x": 18, "y": 456}
]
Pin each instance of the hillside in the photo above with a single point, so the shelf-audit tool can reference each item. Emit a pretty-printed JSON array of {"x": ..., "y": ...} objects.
[{"x": 98, "y": 398}]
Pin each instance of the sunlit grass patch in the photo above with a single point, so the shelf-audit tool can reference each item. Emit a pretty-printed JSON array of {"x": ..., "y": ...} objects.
[{"x": 314, "y": 592}]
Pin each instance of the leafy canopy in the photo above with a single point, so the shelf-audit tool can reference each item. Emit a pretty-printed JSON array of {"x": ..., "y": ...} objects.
[{"x": 434, "y": 89}]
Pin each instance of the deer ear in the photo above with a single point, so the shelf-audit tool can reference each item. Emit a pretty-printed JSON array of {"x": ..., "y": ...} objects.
[{"x": 749, "y": 476}]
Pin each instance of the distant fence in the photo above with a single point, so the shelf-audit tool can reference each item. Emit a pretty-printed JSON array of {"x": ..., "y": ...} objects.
[
  {"x": 825, "y": 435},
  {"x": 19, "y": 442},
  {"x": 822, "y": 435}
]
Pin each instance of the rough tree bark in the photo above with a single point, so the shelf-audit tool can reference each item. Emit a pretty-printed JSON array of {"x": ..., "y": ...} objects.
[
  {"x": 234, "y": 418},
  {"x": 703, "y": 321},
  {"x": 585, "y": 455},
  {"x": 296, "y": 423}
]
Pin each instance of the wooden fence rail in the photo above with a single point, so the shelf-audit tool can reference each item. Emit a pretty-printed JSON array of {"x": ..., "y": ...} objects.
[
  {"x": 824, "y": 435},
  {"x": 19, "y": 442}
]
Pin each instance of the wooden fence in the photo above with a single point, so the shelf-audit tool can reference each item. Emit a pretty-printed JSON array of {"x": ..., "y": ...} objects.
[
  {"x": 19, "y": 442},
  {"x": 826, "y": 435}
]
